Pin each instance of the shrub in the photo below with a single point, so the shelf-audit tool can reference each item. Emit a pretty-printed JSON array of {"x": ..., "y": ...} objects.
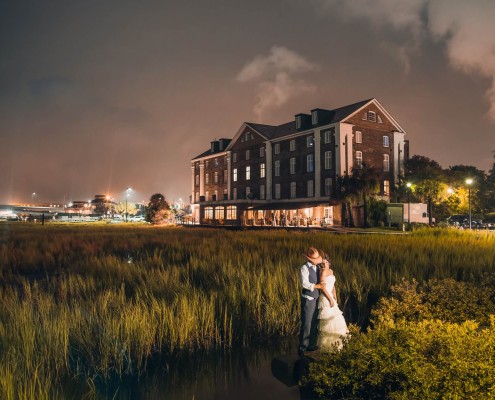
[{"x": 430, "y": 359}]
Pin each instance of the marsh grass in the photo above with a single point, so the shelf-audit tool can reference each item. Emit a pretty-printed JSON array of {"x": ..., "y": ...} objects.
[{"x": 105, "y": 301}]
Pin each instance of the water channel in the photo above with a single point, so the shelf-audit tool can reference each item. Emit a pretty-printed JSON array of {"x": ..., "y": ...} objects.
[{"x": 240, "y": 375}]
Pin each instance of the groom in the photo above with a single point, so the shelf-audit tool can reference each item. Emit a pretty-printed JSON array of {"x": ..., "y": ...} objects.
[{"x": 309, "y": 301}]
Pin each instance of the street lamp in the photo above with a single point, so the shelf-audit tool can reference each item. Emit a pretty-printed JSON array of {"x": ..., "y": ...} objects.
[
  {"x": 409, "y": 185},
  {"x": 128, "y": 190},
  {"x": 469, "y": 182},
  {"x": 32, "y": 197}
]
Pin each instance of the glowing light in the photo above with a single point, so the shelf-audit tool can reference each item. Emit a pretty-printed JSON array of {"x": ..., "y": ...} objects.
[{"x": 469, "y": 181}]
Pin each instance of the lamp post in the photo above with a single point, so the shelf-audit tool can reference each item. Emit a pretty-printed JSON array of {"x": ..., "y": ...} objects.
[
  {"x": 33, "y": 195},
  {"x": 128, "y": 190},
  {"x": 409, "y": 185},
  {"x": 469, "y": 182}
]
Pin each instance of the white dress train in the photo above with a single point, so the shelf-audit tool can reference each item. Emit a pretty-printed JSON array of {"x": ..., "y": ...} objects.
[{"x": 332, "y": 325}]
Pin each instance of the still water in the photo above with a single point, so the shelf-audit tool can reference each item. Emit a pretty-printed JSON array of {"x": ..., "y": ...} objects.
[{"x": 241, "y": 375}]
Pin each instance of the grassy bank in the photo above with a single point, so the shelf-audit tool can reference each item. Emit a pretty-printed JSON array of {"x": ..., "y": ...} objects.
[{"x": 100, "y": 301}]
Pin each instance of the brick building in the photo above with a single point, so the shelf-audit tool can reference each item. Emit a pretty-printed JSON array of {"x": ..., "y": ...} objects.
[{"x": 286, "y": 174}]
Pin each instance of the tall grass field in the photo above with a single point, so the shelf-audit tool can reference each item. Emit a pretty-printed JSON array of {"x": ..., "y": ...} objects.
[{"x": 96, "y": 302}]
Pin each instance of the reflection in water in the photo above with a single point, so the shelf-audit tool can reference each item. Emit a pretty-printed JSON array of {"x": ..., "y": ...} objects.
[{"x": 238, "y": 374}]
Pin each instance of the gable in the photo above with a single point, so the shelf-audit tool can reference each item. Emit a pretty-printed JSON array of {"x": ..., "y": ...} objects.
[
  {"x": 373, "y": 113},
  {"x": 246, "y": 136}
]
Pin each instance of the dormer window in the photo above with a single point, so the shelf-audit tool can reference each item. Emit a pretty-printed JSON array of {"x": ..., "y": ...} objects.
[
  {"x": 314, "y": 117},
  {"x": 298, "y": 122}
]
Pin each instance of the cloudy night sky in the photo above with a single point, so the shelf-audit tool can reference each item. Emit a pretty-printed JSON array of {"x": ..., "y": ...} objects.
[{"x": 96, "y": 96}]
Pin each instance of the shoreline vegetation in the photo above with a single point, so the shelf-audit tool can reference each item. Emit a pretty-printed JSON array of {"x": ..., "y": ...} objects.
[{"x": 92, "y": 303}]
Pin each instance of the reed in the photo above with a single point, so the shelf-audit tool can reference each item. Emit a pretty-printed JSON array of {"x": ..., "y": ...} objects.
[{"x": 104, "y": 301}]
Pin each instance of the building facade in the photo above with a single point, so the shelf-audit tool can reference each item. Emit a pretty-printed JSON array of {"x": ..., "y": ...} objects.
[{"x": 286, "y": 175}]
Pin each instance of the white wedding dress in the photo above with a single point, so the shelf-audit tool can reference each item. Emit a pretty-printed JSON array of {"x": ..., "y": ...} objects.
[{"x": 332, "y": 327}]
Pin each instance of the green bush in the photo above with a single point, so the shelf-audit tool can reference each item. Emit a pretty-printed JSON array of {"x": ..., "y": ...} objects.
[
  {"x": 429, "y": 341},
  {"x": 446, "y": 299},
  {"x": 430, "y": 359}
]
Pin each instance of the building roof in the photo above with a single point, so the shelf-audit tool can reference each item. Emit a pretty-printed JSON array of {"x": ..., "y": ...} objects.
[
  {"x": 209, "y": 152},
  {"x": 329, "y": 117}
]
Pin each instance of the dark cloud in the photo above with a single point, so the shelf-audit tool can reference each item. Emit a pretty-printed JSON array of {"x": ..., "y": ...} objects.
[{"x": 99, "y": 96}]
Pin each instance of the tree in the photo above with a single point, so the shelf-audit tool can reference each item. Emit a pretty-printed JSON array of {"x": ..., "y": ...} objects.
[
  {"x": 131, "y": 208},
  {"x": 427, "y": 177},
  {"x": 158, "y": 210},
  {"x": 365, "y": 180},
  {"x": 360, "y": 184},
  {"x": 490, "y": 188}
]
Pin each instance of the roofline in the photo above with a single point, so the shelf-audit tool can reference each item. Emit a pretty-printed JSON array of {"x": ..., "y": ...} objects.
[
  {"x": 381, "y": 108},
  {"x": 239, "y": 132},
  {"x": 209, "y": 156}
]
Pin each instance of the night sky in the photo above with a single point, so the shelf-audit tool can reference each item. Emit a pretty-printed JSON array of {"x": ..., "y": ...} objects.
[{"x": 96, "y": 96}]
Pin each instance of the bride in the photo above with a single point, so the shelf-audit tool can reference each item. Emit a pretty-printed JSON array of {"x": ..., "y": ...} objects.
[{"x": 332, "y": 327}]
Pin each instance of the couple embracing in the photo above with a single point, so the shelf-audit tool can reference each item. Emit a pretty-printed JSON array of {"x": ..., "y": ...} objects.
[{"x": 322, "y": 322}]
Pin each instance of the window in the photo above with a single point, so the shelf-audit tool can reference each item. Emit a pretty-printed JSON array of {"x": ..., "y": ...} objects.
[
  {"x": 277, "y": 168},
  {"x": 225, "y": 195},
  {"x": 371, "y": 116},
  {"x": 216, "y": 195},
  {"x": 277, "y": 148},
  {"x": 386, "y": 188},
  {"x": 225, "y": 175},
  {"x": 277, "y": 190},
  {"x": 328, "y": 160},
  {"x": 386, "y": 162},
  {"x": 386, "y": 142},
  {"x": 365, "y": 116},
  {"x": 359, "y": 159},
  {"x": 234, "y": 157},
  {"x": 379, "y": 119},
  {"x": 298, "y": 122},
  {"x": 219, "y": 212},
  {"x": 197, "y": 180},
  {"x": 234, "y": 193},
  {"x": 215, "y": 162},
  {"x": 262, "y": 192},
  {"x": 247, "y": 136},
  {"x": 310, "y": 141},
  {"x": 234, "y": 174},
  {"x": 358, "y": 136},
  {"x": 232, "y": 212},
  {"x": 197, "y": 197},
  {"x": 328, "y": 137},
  {"x": 207, "y": 196},
  {"x": 309, "y": 163},
  {"x": 262, "y": 151},
  {"x": 262, "y": 170},
  {"x": 216, "y": 177},
  {"x": 293, "y": 190},
  {"x": 292, "y": 165},
  {"x": 248, "y": 173},
  {"x": 208, "y": 212},
  {"x": 207, "y": 163},
  {"x": 207, "y": 178},
  {"x": 314, "y": 117},
  {"x": 248, "y": 192},
  {"x": 328, "y": 186},
  {"x": 310, "y": 189},
  {"x": 248, "y": 155},
  {"x": 292, "y": 145}
]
